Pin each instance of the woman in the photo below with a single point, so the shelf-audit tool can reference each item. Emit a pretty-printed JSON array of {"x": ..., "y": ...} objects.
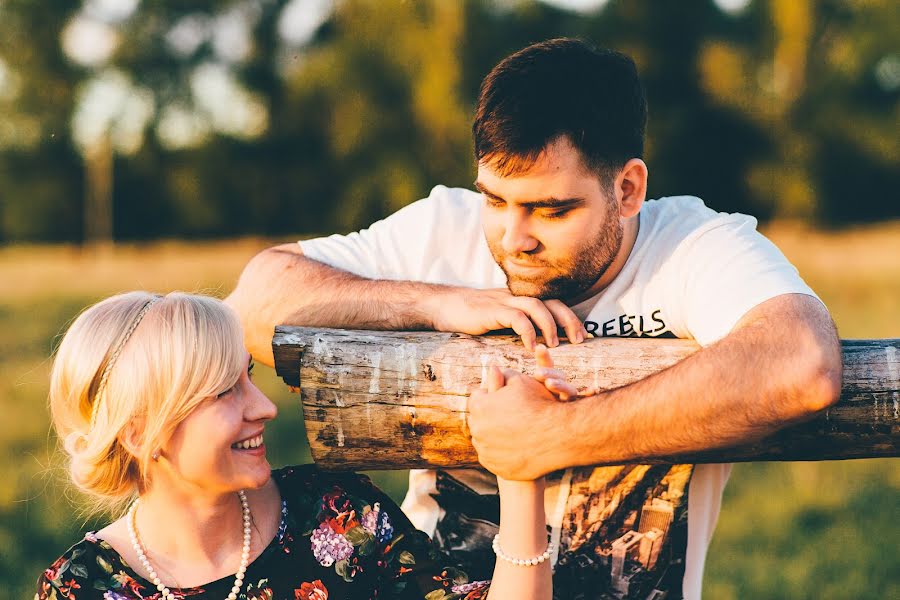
[{"x": 154, "y": 401}]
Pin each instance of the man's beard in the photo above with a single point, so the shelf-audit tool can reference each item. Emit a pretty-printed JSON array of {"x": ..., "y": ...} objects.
[{"x": 573, "y": 276}]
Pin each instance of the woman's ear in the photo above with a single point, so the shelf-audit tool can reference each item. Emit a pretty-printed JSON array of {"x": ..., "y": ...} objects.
[
  {"x": 131, "y": 436},
  {"x": 631, "y": 187}
]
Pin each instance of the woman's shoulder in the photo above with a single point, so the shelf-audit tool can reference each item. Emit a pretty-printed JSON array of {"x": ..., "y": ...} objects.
[
  {"x": 311, "y": 481},
  {"x": 357, "y": 534},
  {"x": 312, "y": 495},
  {"x": 88, "y": 569}
]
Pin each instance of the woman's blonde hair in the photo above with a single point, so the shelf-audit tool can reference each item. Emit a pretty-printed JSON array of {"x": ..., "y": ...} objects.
[{"x": 127, "y": 372}]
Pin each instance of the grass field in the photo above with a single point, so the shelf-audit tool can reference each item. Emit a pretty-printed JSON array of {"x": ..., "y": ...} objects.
[{"x": 788, "y": 530}]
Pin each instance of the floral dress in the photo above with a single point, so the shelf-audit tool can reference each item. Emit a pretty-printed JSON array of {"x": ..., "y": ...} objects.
[{"x": 340, "y": 538}]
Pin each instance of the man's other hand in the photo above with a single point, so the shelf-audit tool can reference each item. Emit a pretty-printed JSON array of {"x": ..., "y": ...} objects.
[
  {"x": 517, "y": 429},
  {"x": 476, "y": 312}
]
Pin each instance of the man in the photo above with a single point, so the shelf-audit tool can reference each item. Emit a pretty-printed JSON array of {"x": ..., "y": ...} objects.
[{"x": 561, "y": 236}]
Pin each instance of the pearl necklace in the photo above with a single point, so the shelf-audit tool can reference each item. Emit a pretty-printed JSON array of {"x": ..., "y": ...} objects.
[{"x": 145, "y": 561}]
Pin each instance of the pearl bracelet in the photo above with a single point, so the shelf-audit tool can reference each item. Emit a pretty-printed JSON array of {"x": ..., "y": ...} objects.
[{"x": 521, "y": 562}]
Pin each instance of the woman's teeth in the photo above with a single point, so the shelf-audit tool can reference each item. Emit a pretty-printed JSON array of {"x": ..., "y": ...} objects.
[{"x": 254, "y": 442}]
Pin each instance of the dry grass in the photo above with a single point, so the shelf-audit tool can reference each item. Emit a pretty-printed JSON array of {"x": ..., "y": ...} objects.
[
  {"x": 850, "y": 269},
  {"x": 856, "y": 272},
  {"x": 788, "y": 530},
  {"x": 39, "y": 272},
  {"x": 869, "y": 250}
]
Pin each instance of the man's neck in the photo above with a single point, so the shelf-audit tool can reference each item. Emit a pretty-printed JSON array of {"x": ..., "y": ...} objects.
[{"x": 629, "y": 237}]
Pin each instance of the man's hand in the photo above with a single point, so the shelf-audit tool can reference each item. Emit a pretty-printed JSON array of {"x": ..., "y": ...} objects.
[
  {"x": 503, "y": 456},
  {"x": 476, "y": 312},
  {"x": 515, "y": 428}
]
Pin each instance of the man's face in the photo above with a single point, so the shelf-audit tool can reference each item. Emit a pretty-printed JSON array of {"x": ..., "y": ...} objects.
[{"x": 553, "y": 230}]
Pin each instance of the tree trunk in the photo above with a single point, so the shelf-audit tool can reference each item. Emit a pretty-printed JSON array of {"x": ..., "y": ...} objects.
[{"x": 98, "y": 208}]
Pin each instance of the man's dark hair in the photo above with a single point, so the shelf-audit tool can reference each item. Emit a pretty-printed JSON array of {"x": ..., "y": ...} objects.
[{"x": 560, "y": 87}]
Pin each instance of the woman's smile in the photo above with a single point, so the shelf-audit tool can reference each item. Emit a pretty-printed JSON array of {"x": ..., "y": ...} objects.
[{"x": 252, "y": 445}]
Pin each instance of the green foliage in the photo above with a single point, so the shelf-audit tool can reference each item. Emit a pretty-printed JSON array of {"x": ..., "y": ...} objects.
[
  {"x": 807, "y": 530},
  {"x": 782, "y": 109}
]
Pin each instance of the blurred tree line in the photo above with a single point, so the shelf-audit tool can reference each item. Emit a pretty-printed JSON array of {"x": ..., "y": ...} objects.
[{"x": 133, "y": 119}]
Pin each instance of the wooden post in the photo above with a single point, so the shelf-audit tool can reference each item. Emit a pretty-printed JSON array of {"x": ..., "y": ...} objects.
[{"x": 392, "y": 400}]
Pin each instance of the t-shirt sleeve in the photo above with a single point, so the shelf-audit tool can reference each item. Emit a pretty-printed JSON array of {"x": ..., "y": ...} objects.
[
  {"x": 408, "y": 244},
  {"x": 727, "y": 268}
]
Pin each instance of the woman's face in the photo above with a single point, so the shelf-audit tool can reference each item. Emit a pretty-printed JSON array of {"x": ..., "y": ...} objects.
[{"x": 219, "y": 446}]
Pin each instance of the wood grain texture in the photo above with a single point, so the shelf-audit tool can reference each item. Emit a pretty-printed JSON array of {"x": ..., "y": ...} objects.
[{"x": 396, "y": 400}]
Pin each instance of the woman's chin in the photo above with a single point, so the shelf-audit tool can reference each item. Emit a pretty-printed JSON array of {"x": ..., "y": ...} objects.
[
  {"x": 259, "y": 478},
  {"x": 252, "y": 466}
]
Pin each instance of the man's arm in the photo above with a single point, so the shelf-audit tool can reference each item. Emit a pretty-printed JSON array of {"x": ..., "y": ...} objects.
[
  {"x": 281, "y": 286},
  {"x": 780, "y": 364}
]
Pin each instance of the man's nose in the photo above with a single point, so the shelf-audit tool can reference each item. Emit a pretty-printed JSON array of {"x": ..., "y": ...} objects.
[{"x": 517, "y": 237}]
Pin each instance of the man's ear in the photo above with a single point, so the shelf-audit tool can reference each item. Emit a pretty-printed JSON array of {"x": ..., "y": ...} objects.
[{"x": 631, "y": 187}]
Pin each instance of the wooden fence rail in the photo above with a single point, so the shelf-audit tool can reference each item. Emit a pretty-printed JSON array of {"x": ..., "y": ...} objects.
[{"x": 394, "y": 400}]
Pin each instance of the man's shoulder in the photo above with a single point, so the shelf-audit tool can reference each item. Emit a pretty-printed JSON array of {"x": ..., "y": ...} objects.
[
  {"x": 446, "y": 207},
  {"x": 451, "y": 200},
  {"x": 687, "y": 217},
  {"x": 443, "y": 193},
  {"x": 682, "y": 207}
]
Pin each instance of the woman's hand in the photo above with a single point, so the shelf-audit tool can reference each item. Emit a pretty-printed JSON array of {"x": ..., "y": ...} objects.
[
  {"x": 555, "y": 380},
  {"x": 493, "y": 380},
  {"x": 523, "y": 532}
]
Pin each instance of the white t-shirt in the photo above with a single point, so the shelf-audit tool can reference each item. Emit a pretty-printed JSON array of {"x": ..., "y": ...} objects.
[{"x": 693, "y": 273}]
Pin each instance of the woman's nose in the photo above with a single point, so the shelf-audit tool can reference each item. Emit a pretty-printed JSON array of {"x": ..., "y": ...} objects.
[{"x": 260, "y": 407}]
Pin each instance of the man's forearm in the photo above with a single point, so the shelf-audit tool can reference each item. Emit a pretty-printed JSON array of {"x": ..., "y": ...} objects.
[
  {"x": 780, "y": 366},
  {"x": 761, "y": 377},
  {"x": 280, "y": 286},
  {"x": 334, "y": 298}
]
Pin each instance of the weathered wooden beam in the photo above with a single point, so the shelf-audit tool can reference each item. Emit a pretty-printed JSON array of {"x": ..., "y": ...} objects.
[{"x": 392, "y": 400}]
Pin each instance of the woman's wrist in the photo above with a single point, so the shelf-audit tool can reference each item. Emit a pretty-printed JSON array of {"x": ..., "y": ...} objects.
[
  {"x": 520, "y": 491},
  {"x": 523, "y": 528},
  {"x": 518, "y": 561}
]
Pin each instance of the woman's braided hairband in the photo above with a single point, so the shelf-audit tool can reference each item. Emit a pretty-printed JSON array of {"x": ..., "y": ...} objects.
[{"x": 112, "y": 359}]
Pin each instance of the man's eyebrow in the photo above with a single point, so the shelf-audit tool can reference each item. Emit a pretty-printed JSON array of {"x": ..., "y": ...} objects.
[
  {"x": 487, "y": 192},
  {"x": 533, "y": 204}
]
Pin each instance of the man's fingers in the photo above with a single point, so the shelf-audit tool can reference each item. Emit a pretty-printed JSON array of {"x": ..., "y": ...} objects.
[
  {"x": 495, "y": 379},
  {"x": 591, "y": 391},
  {"x": 492, "y": 378},
  {"x": 539, "y": 314},
  {"x": 542, "y": 374},
  {"x": 568, "y": 320},
  {"x": 563, "y": 390},
  {"x": 522, "y": 325},
  {"x": 510, "y": 374}
]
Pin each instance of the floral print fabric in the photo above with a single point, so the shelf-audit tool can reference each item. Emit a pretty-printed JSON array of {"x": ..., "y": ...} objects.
[{"x": 341, "y": 538}]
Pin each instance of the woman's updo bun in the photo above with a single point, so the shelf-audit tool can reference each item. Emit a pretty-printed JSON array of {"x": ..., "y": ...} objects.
[{"x": 162, "y": 356}]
